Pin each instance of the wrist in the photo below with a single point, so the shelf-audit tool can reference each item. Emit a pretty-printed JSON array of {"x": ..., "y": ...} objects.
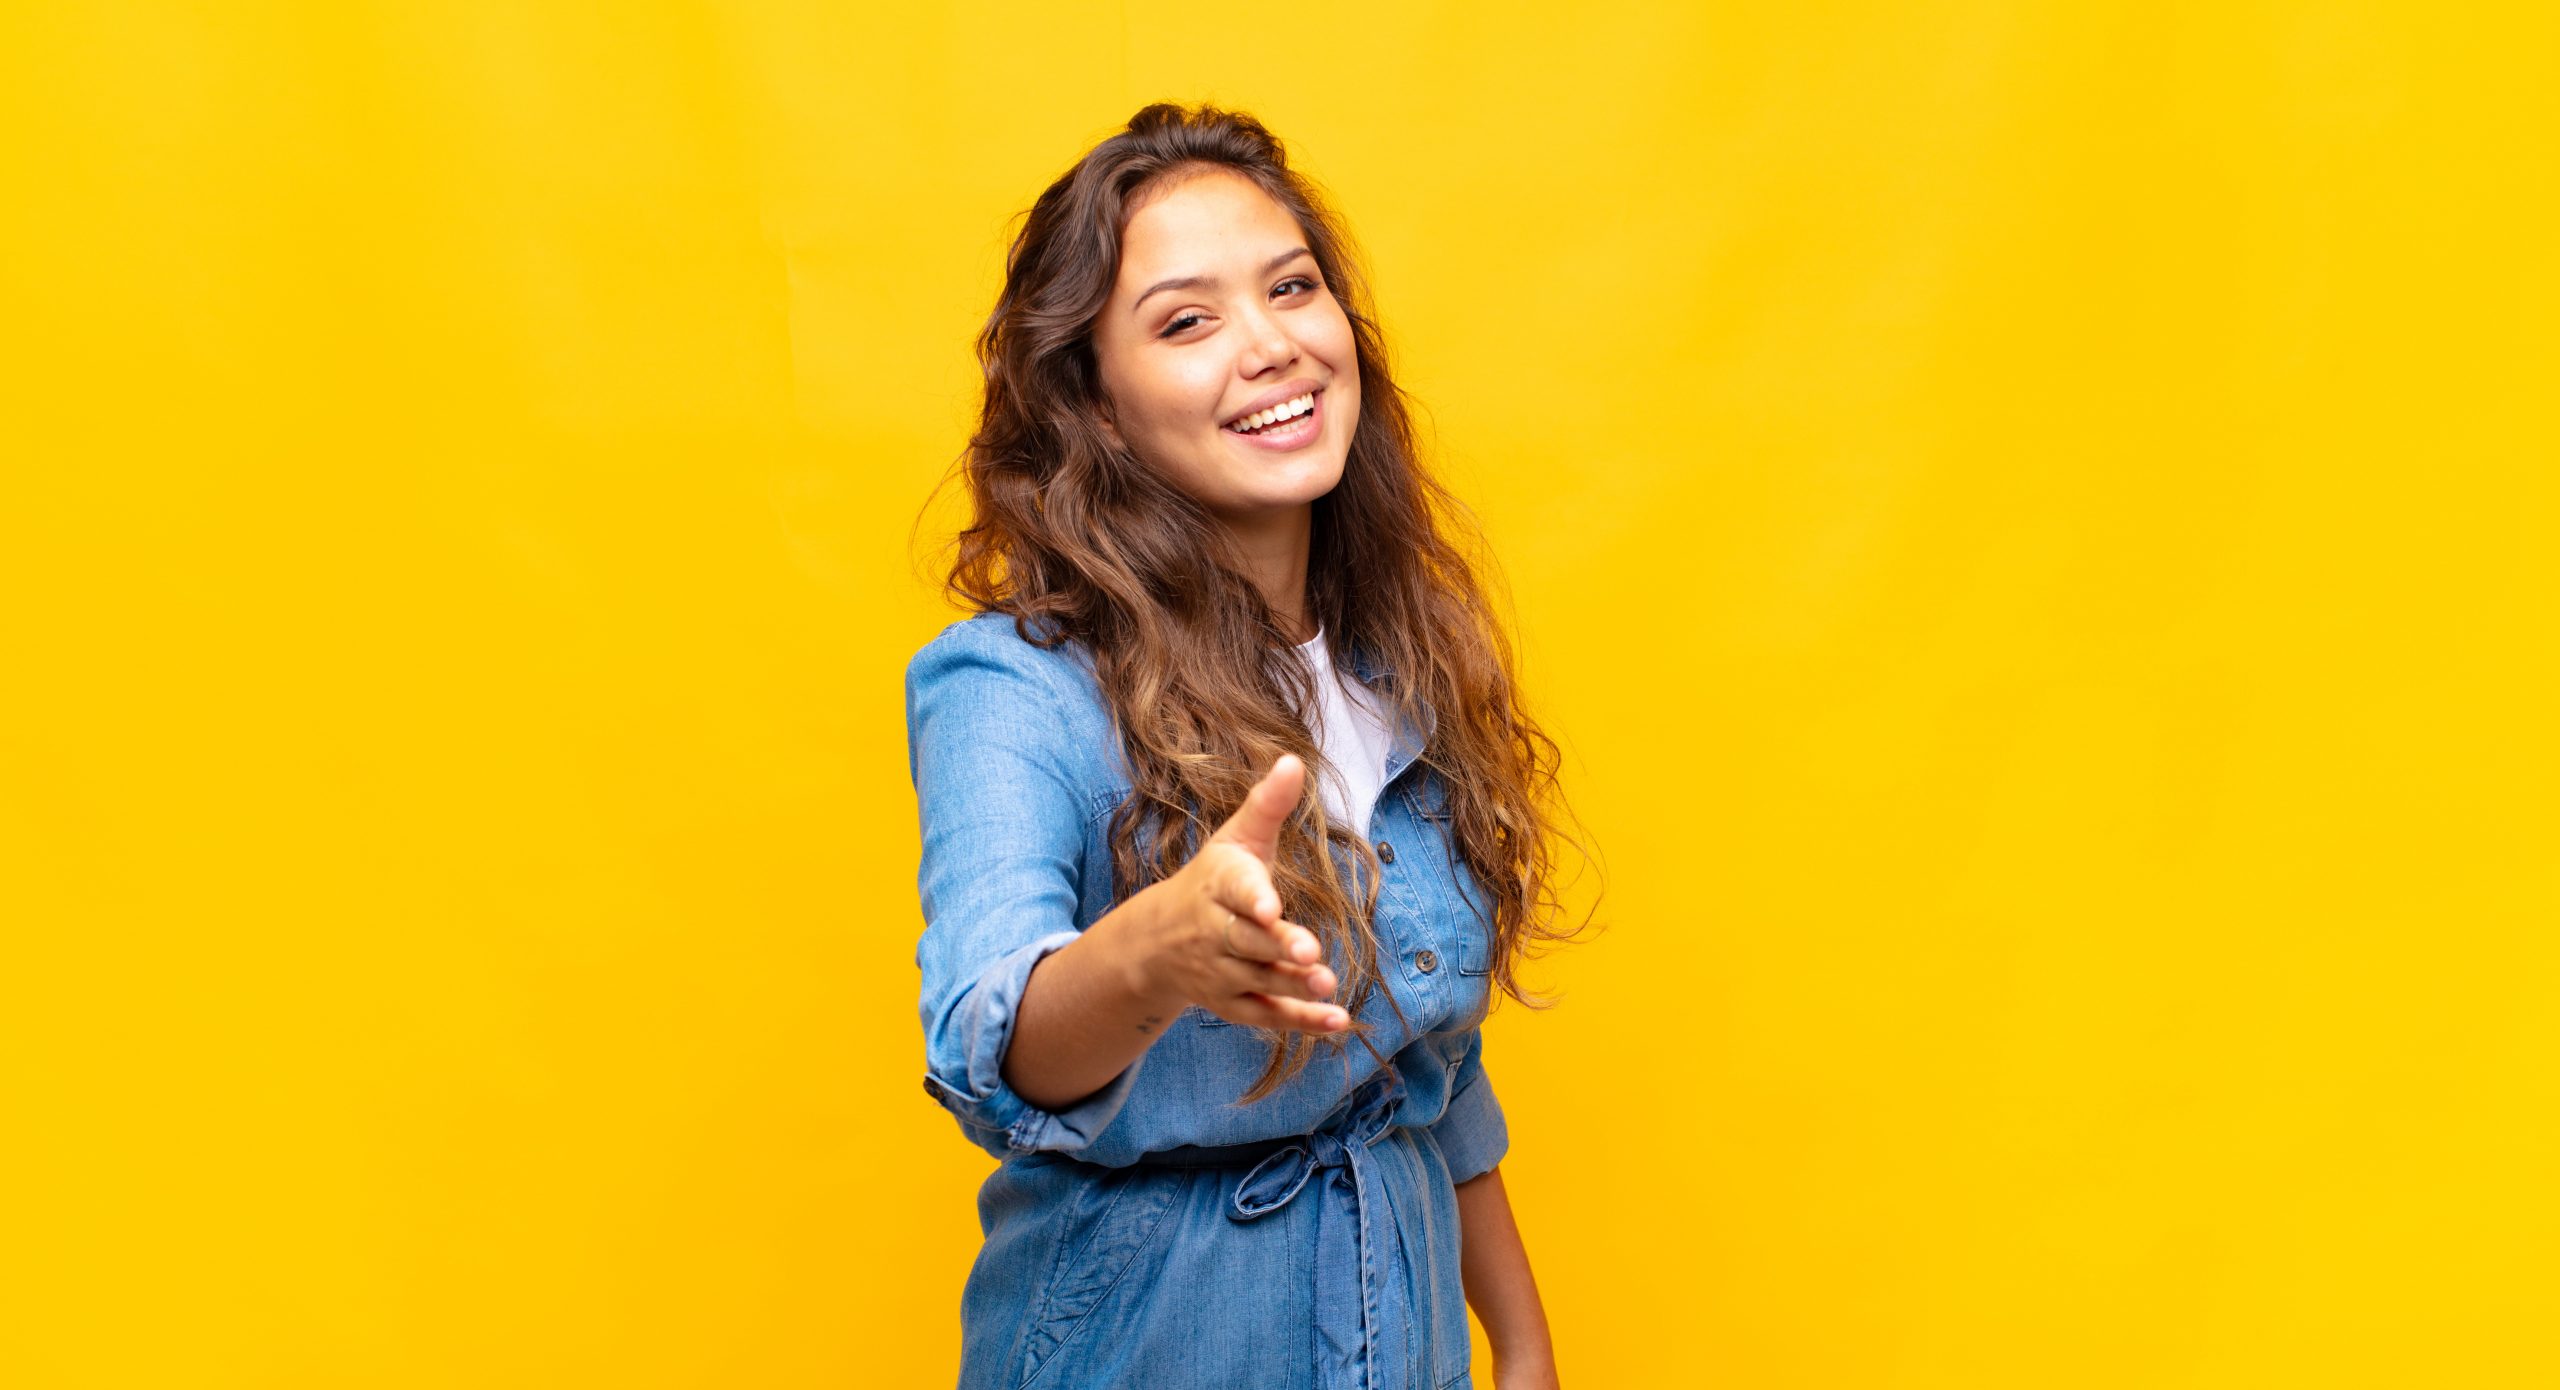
[{"x": 1133, "y": 943}]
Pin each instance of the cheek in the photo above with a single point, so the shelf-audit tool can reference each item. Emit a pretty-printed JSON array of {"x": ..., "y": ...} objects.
[
  {"x": 1149, "y": 393},
  {"x": 1181, "y": 401},
  {"x": 1338, "y": 342},
  {"x": 1344, "y": 358}
]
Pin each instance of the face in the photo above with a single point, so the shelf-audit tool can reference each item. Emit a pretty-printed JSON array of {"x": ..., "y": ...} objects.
[{"x": 1221, "y": 319}]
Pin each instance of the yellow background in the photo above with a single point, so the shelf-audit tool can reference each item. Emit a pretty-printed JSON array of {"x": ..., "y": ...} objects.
[{"x": 2033, "y": 522}]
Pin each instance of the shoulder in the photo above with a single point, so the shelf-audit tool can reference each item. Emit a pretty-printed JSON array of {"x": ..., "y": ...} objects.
[
  {"x": 980, "y": 689},
  {"x": 984, "y": 638},
  {"x": 989, "y": 648}
]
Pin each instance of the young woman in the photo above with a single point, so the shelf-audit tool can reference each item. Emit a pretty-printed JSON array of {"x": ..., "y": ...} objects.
[{"x": 1220, "y": 1019}]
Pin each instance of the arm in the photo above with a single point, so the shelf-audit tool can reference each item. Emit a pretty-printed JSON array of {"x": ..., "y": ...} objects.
[
  {"x": 1086, "y": 1012},
  {"x": 1096, "y": 1005},
  {"x": 1001, "y": 816},
  {"x": 1494, "y": 1265},
  {"x": 1001, "y": 960},
  {"x": 1473, "y": 1136}
]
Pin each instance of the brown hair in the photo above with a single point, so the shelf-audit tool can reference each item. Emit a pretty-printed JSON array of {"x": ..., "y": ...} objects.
[{"x": 1074, "y": 535}]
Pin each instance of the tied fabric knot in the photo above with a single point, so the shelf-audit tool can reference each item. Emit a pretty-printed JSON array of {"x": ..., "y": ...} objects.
[
  {"x": 1277, "y": 1179},
  {"x": 1350, "y": 1321}
]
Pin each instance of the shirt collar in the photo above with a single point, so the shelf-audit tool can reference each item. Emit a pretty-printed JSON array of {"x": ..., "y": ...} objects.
[{"x": 1409, "y": 743}]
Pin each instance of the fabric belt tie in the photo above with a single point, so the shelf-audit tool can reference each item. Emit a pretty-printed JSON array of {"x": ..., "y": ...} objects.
[{"x": 1345, "y": 1299}]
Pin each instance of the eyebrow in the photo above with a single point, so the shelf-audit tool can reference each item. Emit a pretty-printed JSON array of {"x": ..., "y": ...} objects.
[{"x": 1189, "y": 282}]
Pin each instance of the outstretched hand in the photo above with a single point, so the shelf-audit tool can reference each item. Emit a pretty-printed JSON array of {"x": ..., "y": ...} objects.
[{"x": 1219, "y": 939}]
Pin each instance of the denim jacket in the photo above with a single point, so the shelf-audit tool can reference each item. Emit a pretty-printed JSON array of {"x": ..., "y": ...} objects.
[{"x": 1017, "y": 770}]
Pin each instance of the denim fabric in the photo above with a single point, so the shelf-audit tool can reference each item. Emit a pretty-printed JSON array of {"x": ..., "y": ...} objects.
[{"x": 1330, "y": 1264}]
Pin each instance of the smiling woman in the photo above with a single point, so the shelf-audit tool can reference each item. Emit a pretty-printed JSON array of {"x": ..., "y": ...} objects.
[
  {"x": 1232, "y": 739},
  {"x": 1233, "y": 372}
]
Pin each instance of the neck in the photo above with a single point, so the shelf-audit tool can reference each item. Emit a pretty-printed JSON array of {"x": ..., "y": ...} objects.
[{"x": 1274, "y": 551}]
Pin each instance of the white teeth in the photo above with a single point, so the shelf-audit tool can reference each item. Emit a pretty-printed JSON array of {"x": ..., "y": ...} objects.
[{"x": 1283, "y": 411}]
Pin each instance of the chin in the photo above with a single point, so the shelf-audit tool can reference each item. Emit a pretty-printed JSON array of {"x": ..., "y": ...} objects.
[
  {"x": 1268, "y": 495},
  {"x": 1317, "y": 479}
]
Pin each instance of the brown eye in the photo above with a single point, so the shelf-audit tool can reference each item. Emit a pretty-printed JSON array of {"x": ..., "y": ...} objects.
[{"x": 1180, "y": 322}]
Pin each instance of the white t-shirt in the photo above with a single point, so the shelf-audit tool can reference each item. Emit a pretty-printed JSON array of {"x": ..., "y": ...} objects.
[{"x": 1352, "y": 731}]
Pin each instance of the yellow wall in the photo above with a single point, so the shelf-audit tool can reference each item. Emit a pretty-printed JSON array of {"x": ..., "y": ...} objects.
[{"x": 2034, "y": 523}]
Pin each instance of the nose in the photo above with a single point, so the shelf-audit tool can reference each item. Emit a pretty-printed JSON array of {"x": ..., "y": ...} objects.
[{"x": 1268, "y": 346}]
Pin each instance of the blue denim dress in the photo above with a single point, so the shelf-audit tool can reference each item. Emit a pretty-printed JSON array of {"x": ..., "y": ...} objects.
[{"x": 1126, "y": 1242}]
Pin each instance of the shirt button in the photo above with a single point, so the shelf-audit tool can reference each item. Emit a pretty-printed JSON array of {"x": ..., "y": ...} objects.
[
  {"x": 1427, "y": 961},
  {"x": 1386, "y": 853}
]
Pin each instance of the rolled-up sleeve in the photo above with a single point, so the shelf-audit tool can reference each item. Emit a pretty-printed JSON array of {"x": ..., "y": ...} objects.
[
  {"x": 1002, "y": 826},
  {"x": 1471, "y": 1132}
]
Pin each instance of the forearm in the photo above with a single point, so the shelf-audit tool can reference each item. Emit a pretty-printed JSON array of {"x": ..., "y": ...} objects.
[
  {"x": 1494, "y": 1265},
  {"x": 1084, "y": 1016}
]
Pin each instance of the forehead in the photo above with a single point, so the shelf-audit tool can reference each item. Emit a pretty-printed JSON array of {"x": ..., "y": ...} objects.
[{"x": 1212, "y": 223}]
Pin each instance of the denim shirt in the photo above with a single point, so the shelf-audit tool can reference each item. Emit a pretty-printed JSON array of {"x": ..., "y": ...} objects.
[{"x": 1017, "y": 770}]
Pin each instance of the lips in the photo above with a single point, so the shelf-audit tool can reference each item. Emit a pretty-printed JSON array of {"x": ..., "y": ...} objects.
[
  {"x": 1296, "y": 432},
  {"x": 1285, "y": 391},
  {"x": 1261, "y": 420}
]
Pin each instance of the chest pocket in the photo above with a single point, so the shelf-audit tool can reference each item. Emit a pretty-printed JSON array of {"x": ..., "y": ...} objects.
[{"x": 1470, "y": 939}]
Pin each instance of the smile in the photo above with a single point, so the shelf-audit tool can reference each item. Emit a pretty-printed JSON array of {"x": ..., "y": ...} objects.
[
  {"x": 1291, "y": 424},
  {"x": 1286, "y": 410}
]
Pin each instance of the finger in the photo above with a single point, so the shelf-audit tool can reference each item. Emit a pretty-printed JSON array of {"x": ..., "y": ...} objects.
[
  {"x": 1256, "y": 824},
  {"x": 1298, "y": 946},
  {"x": 1278, "y": 979},
  {"x": 1242, "y": 938},
  {"x": 1245, "y": 888},
  {"x": 1317, "y": 980},
  {"x": 1294, "y": 1015},
  {"x": 1282, "y": 941}
]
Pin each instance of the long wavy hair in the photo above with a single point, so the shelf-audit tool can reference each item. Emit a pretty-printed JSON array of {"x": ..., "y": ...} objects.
[{"x": 1078, "y": 539}]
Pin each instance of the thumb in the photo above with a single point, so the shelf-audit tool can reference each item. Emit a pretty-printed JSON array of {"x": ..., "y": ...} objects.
[{"x": 1256, "y": 824}]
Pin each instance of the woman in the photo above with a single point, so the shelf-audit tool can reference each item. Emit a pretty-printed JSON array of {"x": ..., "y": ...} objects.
[{"x": 1222, "y": 1033}]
